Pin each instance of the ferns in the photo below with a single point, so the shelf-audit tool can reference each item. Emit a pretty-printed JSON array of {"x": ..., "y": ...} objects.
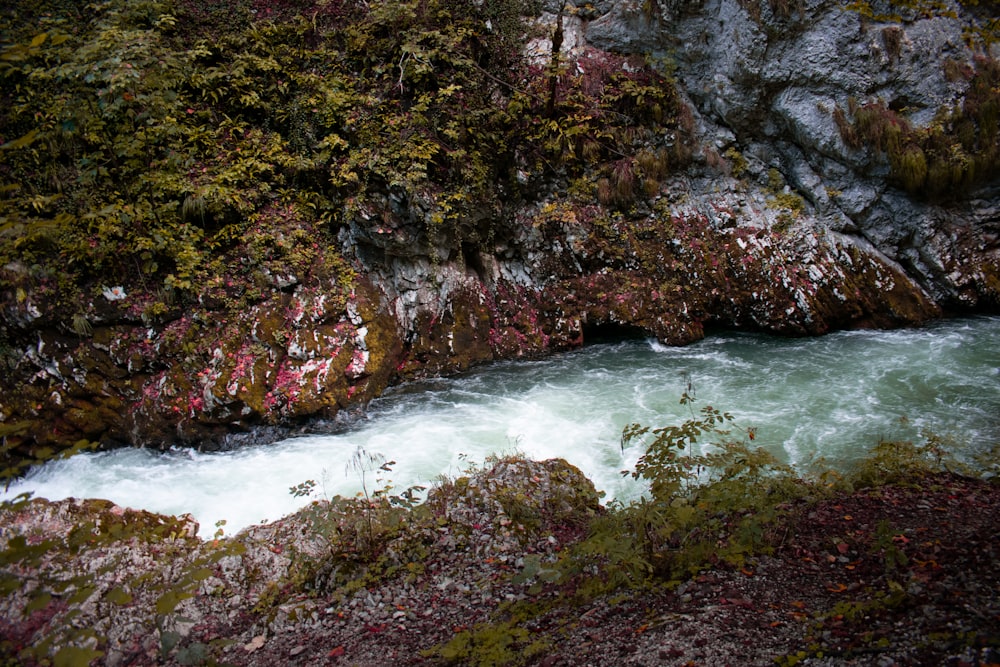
[{"x": 956, "y": 153}]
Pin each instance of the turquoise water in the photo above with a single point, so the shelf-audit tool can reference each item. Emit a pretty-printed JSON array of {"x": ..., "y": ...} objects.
[{"x": 831, "y": 397}]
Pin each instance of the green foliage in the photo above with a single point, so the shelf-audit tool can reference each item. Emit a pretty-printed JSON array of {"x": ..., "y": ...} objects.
[
  {"x": 668, "y": 471},
  {"x": 356, "y": 530},
  {"x": 720, "y": 504},
  {"x": 96, "y": 110},
  {"x": 957, "y": 152},
  {"x": 492, "y": 645},
  {"x": 904, "y": 462},
  {"x": 161, "y": 145},
  {"x": 76, "y": 656}
]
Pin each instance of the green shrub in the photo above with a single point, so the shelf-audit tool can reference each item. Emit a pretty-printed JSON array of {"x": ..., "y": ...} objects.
[{"x": 702, "y": 508}]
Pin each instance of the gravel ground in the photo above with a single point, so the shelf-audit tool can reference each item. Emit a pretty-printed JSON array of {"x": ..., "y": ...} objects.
[{"x": 890, "y": 576}]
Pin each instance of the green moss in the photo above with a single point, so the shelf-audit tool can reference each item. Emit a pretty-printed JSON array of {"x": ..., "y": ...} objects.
[
  {"x": 738, "y": 163},
  {"x": 790, "y": 201}
]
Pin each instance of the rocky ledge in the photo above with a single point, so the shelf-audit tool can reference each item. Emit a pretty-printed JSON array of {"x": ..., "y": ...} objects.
[{"x": 479, "y": 574}]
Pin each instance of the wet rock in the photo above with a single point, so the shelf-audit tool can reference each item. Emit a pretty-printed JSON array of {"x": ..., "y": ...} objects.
[{"x": 777, "y": 225}]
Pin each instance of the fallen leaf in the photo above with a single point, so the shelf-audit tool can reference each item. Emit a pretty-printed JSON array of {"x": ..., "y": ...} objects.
[
  {"x": 836, "y": 588},
  {"x": 336, "y": 653}
]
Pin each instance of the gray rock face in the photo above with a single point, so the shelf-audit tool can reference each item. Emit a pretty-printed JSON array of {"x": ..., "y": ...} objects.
[
  {"x": 627, "y": 27},
  {"x": 774, "y": 81},
  {"x": 763, "y": 83}
]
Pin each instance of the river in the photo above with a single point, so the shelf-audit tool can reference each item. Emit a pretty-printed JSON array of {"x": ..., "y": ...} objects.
[{"x": 828, "y": 398}]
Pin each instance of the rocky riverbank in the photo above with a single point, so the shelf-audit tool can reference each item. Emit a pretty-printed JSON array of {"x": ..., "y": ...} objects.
[
  {"x": 589, "y": 189},
  {"x": 218, "y": 223},
  {"x": 490, "y": 570}
]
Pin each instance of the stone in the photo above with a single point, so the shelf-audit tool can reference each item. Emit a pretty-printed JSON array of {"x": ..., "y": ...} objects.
[{"x": 543, "y": 271}]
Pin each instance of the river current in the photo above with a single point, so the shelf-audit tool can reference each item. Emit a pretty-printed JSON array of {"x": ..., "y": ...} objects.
[{"x": 829, "y": 398}]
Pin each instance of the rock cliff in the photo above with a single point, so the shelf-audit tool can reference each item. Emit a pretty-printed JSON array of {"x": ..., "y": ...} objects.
[{"x": 763, "y": 200}]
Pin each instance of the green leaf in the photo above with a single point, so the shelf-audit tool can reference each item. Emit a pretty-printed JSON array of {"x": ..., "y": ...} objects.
[
  {"x": 22, "y": 142},
  {"x": 38, "y": 602},
  {"x": 201, "y": 574},
  {"x": 168, "y": 640},
  {"x": 82, "y": 595},
  {"x": 195, "y": 654},
  {"x": 118, "y": 596},
  {"x": 169, "y": 601}
]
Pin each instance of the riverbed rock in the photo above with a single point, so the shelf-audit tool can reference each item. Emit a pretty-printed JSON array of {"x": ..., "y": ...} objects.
[
  {"x": 497, "y": 563},
  {"x": 135, "y": 588}
]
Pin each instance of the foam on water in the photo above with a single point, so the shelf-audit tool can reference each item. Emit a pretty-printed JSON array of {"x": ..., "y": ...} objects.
[{"x": 830, "y": 397}]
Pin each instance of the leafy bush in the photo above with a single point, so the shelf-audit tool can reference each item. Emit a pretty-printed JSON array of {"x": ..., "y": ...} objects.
[
  {"x": 714, "y": 506},
  {"x": 905, "y": 462},
  {"x": 141, "y": 140},
  {"x": 356, "y": 530}
]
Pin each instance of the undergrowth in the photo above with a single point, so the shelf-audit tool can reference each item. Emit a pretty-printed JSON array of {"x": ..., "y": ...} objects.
[
  {"x": 714, "y": 501},
  {"x": 143, "y": 141}
]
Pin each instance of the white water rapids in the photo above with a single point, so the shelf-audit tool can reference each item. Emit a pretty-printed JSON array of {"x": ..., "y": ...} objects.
[{"x": 832, "y": 397}]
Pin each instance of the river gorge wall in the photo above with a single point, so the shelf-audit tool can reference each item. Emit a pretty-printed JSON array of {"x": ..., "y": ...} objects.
[{"x": 788, "y": 214}]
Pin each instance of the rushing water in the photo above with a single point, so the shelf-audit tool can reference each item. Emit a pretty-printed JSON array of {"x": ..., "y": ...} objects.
[{"x": 831, "y": 397}]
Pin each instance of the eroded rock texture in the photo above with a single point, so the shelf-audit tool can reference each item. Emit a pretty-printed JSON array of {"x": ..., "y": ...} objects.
[{"x": 776, "y": 223}]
